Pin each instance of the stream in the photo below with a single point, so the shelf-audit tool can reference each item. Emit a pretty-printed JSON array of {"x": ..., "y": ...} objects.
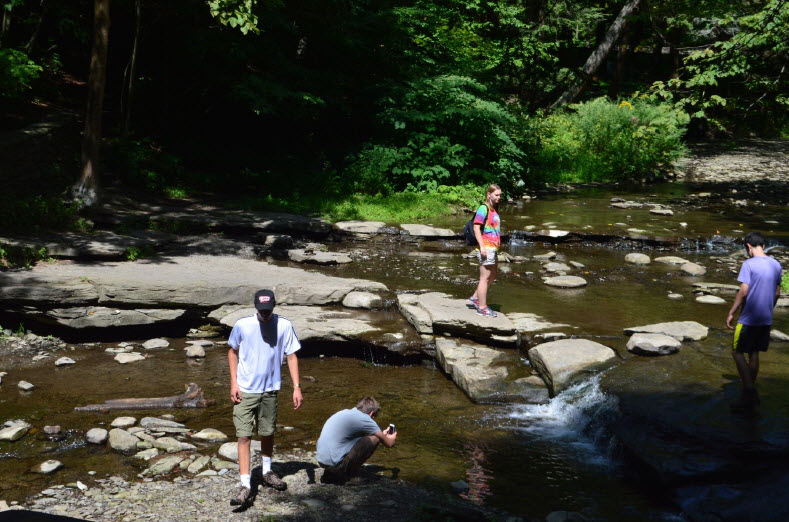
[{"x": 529, "y": 460}]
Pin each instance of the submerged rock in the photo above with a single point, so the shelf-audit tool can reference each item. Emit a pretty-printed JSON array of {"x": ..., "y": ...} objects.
[
  {"x": 652, "y": 344},
  {"x": 484, "y": 373},
  {"x": 710, "y": 299},
  {"x": 671, "y": 260},
  {"x": 693, "y": 269},
  {"x": 680, "y": 330},
  {"x": 565, "y": 281},
  {"x": 563, "y": 362}
]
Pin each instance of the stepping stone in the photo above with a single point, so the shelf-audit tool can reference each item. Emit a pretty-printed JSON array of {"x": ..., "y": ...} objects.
[
  {"x": 717, "y": 287},
  {"x": 64, "y": 361},
  {"x": 776, "y": 335},
  {"x": 545, "y": 257},
  {"x": 652, "y": 344},
  {"x": 126, "y": 358},
  {"x": 318, "y": 257},
  {"x": 637, "y": 259},
  {"x": 671, "y": 260},
  {"x": 360, "y": 228},
  {"x": 25, "y": 386},
  {"x": 154, "y": 344},
  {"x": 693, "y": 269},
  {"x": 13, "y": 433},
  {"x": 564, "y": 362},
  {"x": 101, "y": 317},
  {"x": 195, "y": 352},
  {"x": 565, "y": 281},
  {"x": 210, "y": 435},
  {"x": 428, "y": 232},
  {"x": 123, "y": 422},
  {"x": 710, "y": 299},
  {"x": 96, "y": 436},
  {"x": 680, "y": 330}
]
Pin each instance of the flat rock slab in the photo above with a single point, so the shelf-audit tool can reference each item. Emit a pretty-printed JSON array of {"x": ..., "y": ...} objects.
[
  {"x": 637, "y": 259},
  {"x": 70, "y": 244},
  {"x": 652, "y": 344},
  {"x": 680, "y": 330},
  {"x": 530, "y": 323},
  {"x": 710, "y": 299},
  {"x": 360, "y": 228},
  {"x": 132, "y": 357},
  {"x": 566, "y": 281},
  {"x": 317, "y": 257},
  {"x": 661, "y": 212},
  {"x": 553, "y": 266},
  {"x": 102, "y": 317},
  {"x": 192, "y": 281},
  {"x": 717, "y": 288},
  {"x": 564, "y": 362},
  {"x": 439, "y": 313},
  {"x": 671, "y": 260},
  {"x": 484, "y": 373},
  {"x": 428, "y": 232},
  {"x": 693, "y": 269}
]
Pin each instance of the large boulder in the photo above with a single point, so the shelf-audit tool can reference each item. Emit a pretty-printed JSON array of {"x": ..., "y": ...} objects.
[
  {"x": 680, "y": 330},
  {"x": 123, "y": 441},
  {"x": 102, "y": 317},
  {"x": 652, "y": 344},
  {"x": 438, "y": 313},
  {"x": 192, "y": 281},
  {"x": 562, "y": 363},
  {"x": 484, "y": 373}
]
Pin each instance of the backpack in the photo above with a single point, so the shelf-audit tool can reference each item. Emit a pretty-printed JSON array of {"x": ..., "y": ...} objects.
[{"x": 468, "y": 230}]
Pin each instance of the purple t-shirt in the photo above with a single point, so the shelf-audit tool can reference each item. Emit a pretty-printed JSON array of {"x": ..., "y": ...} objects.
[{"x": 762, "y": 274}]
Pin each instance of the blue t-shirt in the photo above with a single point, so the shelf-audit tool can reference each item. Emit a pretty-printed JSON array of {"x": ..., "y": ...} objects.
[
  {"x": 341, "y": 432},
  {"x": 762, "y": 274}
]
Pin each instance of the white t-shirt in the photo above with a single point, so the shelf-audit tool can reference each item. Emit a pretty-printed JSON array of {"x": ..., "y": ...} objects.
[{"x": 261, "y": 348}]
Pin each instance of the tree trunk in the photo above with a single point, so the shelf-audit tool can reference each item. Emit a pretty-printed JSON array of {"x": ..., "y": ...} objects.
[
  {"x": 131, "y": 70},
  {"x": 87, "y": 187},
  {"x": 34, "y": 37},
  {"x": 5, "y": 23},
  {"x": 599, "y": 54}
]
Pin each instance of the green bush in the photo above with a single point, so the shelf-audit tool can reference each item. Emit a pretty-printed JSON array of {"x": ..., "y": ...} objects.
[
  {"x": 785, "y": 283},
  {"x": 444, "y": 130},
  {"x": 36, "y": 213},
  {"x": 601, "y": 140},
  {"x": 17, "y": 73}
]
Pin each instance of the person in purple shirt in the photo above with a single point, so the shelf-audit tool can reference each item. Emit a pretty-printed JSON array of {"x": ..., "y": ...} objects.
[{"x": 760, "y": 287}]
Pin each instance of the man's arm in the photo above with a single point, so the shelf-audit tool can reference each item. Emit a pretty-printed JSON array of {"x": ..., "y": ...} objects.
[
  {"x": 742, "y": 293},
  {"x": 293, "y": 368},
  {"x": 232, "y": 361},
  {"x": 386, "y": 439}
]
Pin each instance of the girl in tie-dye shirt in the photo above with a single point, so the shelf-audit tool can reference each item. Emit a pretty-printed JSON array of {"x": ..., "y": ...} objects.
[{"x": 487, "y": 230}]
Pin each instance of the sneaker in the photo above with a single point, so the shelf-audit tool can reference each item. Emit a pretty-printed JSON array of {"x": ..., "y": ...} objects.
[
  {"x": 487, "y": 312},
  {"x": 472, "y": 302},
  {"x": 241, "y": 496},
  {"x": 271, "y": 480}
]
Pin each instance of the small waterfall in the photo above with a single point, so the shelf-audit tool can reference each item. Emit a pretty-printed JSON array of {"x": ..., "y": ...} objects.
[{"x": 579, "y": 416}]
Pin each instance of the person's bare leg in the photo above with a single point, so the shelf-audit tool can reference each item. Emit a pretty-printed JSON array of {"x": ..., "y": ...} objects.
[
  {"x": 753, "y": 364},
  {"x": 482, "y": 287},
  {"x": 267, "y": 446},
  {"x": 243, "y": 455},
  {"x": 744, "y": 370}
]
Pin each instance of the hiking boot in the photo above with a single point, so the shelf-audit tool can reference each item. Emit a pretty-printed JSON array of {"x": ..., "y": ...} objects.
[
  {"x": 472, "y": 302},
  {"x": 271, "y": 480},
  {"x": 487, "y": 312},
  {"x": 241, "y": 496}
]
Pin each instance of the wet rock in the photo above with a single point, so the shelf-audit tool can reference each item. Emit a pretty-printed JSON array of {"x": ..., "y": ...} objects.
[
  {"x": 122, "y": 441},
  {"x": 219, "y": 465},
  {"x": 449, "y": 315},
  {"x": 671, "y": 260},
  {"x": 710, "y": 299},
  {"x": 229, "y": 450},
  {"x": 716, "y": 288},
  {"x": 123, "y": 422},
  {"x": 428, "y": 232},
  {"x": 195, "y": 352},
  {"x": 154, "y": 423},
  {"x": 556, "y": 267},
  {"x": 48, "y": 467},
  {"x": 25, "y": 386},
  {"x": 693, "y": 269},
  {"x": 132, "y": 357},
  {"x": 360, "y": 228},
  {"x": 545, "y": 257},
  {"x": 210, "y": 435},
  {"x": 779, "y": 336},
  {"x": 637, "y": 259},
  {"x": 53, "y": 432},
  {"x": 652, "y": 344},
  {"x": 13, "y": 433},
  {"x": 155, "y": 344},
  {"x": 201, "y": 343},
  {"x": 561, "y": 363},
  {"x": 661, "y": 212},
  {"x": 64, "y": 361},
  {"x": 168, "y": 444},
  {"x": 565, "y": 516},
  {"x": 675, "y": 296},
  {"x": 576, "y": 264},
  {"x": 549, "y": 336},
  {"x": 680, "y": 330},
  {"x": 365, "y": 300},
  {"x": 197, "y": 465},
  {"x": 101, "y": 317},
  {"x": 165, "y": 464},
  {"x": 565, "y": 281},
  {"x": 96, "y": 435},
  {"x": 483, "y": 373},
  {"x": 276, "y": 241},
  {"x": 318, "y": 257},
  {"x": 314, "y": 503}
]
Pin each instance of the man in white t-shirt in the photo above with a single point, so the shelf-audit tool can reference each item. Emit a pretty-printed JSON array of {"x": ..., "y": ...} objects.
[{"x": 258, "y": 344}]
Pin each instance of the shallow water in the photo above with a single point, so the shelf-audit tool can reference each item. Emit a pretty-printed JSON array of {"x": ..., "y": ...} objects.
[{"x": 529, "y": 460}]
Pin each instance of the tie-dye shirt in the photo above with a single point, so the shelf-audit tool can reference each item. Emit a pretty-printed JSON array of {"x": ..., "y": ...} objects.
[{"x": 491, "y": 227}]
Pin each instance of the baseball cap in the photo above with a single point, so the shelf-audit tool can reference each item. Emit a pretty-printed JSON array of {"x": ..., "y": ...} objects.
[{"x": 264, "y": 300}]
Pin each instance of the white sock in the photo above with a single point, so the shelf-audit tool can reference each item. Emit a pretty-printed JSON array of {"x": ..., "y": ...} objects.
[
  {"x": 265, "y": 463},
  {"x": 245, "y": 481}
]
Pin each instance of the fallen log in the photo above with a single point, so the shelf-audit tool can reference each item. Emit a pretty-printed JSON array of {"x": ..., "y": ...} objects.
[{"x": 192, "y": 398}]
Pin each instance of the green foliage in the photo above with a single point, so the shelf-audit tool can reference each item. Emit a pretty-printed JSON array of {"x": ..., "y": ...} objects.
[
  {"x": 785, "y": 283},
  {"x": 22, "y": 257},
  {"x": 443, "y": 130},
  {"x": 236, "y": 14},
  {"x": 604, "y": 141},
  {"x": 36, "y": 213},
  {"x": 17, "y": 73},
  {"x": 21, "y": 330},
  {"x": 142, "y": 163},
  {"x": 133, "y": 253}
]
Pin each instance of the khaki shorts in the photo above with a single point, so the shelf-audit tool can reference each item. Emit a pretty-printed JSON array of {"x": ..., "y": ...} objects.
[{"x": 256, "y": 408}]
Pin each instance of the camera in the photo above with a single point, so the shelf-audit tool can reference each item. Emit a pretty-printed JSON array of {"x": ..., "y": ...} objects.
[{"x": 391, "y": 429}]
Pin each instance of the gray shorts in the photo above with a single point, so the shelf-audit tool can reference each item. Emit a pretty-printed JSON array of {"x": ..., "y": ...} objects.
[{"x": 491, "y": 257}]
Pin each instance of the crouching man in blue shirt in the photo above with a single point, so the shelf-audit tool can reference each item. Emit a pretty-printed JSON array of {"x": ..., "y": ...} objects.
[{"x": 349, "y": 438}]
